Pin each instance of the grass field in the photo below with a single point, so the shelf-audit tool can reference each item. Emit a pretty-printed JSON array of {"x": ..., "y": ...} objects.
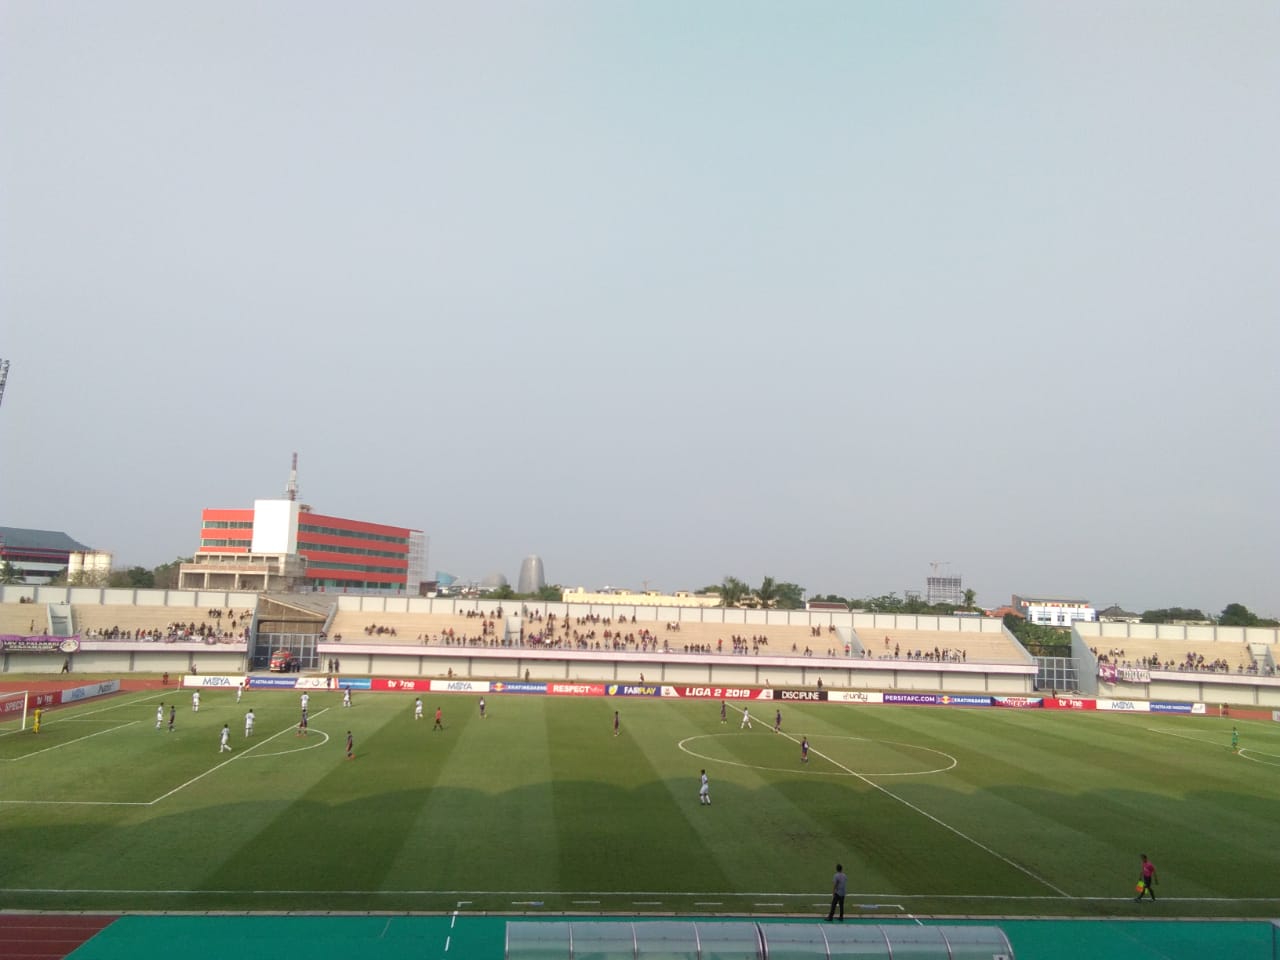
[{"x": 933, "y": 811}]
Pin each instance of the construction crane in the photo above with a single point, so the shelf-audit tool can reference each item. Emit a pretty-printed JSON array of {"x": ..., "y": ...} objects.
[{"x": 4, "y": 376}]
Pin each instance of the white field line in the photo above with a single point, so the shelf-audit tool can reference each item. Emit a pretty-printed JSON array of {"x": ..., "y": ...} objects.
[
  {"x": 869, "y": 899},
  {"x": 219, "y": 766},
  {"x": 1245, "y": 753},
  {"x": 79, "y": 716},
  {"x": 926, "y": 814},
  {"x": 67, "y": 743},
  {"x": 163, "y": 796}
]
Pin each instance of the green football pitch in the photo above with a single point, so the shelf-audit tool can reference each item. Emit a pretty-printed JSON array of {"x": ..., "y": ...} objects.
[{"x": 541, "y": 808}]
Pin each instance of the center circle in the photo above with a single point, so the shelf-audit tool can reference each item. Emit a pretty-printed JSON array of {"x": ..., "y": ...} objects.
[{"x": 943, "y": 761}]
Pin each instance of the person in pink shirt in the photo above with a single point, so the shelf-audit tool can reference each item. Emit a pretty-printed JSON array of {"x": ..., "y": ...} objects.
[{"x": 1148, "y": 879}]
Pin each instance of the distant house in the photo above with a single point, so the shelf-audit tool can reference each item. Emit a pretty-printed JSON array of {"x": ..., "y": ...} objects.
[
  {"x": 1117, "y": 614},
  {"x": 1000, "y": 613},
  {"x": 1054, "y": 611}
]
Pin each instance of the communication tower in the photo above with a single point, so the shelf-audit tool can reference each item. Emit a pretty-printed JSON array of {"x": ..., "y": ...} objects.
[{"x": 291, "y": 488}]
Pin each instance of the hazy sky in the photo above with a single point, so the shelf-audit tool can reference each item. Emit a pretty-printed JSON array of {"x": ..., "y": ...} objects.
[{"x": 659, "y": 291}]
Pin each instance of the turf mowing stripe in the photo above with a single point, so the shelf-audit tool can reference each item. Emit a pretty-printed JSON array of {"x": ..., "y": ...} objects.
[
  {"x": 59, "y": 746},
  {"x": 140, "y": 803},
  {"x": 217, "y": 767},
  {"x": 924, "y": 813}
]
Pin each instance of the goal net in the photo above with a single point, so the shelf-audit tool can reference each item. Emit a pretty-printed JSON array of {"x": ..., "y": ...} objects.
[{"x": 13, "y": 711}]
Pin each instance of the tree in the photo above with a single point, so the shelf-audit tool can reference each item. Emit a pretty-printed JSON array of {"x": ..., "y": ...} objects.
[
  {"x": 1172, "y": 614},
  {"x": 970, "y": 596},
  {"x": 9, "y": 573},
  {"x": 1039, "y": 639},
  {"x": 1238, "y": 615},
  {"x": 790, "y": 596},
  {"x": 885, "y": 603},
  {"x": 767, "y": 593},
  {"x": 551, "y": 593},
  {"x": 503, "y": 592},
  {"x": 165, "y": 576},
  {"x": 135, "y": 578},
  {"x": 732, "y": 591}
]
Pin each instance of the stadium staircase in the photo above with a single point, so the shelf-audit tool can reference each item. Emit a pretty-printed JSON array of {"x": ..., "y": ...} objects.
[
  {"x": 61, "y": 621},
  {"x": 1261, "y": 654},
  {"x": 851, "y": 642},
  {"x": 511, "y": 630}
]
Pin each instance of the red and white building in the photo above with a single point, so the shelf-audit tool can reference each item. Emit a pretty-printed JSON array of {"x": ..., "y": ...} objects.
[{"x": 283, "y": 544}]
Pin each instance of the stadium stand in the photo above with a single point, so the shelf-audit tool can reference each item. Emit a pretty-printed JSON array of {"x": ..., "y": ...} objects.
[
  {"x": 414, "y": 628},
  {"x": 583, "y": 633},
  {"x": 941, "y": 646},
  {"x": 24, "y": 619},
  {"x": 94, "y": 621},
  {"x": 1183, "y": 656}
]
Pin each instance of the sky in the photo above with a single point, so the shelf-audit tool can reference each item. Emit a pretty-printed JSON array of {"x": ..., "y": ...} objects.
[{"x": 661, "y": 292}]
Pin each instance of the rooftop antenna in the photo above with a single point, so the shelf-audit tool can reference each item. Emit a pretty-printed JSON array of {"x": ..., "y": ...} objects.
[
  {"x": 4, "y": 376},
  {"x": 291, "y": 491}
]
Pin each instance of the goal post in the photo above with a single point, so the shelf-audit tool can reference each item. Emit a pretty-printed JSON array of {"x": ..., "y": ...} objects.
[{"x": 13, "y": 711}]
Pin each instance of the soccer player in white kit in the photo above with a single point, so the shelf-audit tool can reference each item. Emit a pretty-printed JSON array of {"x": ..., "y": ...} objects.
[
  {"x": 746, "y": 719},
  {"x": 159, "y": 716},
  {"x": 704, "y": 791},
  {"x": 417, "y": 709},
  {"x": 306, "y": 699},
  {"x": 239, "y": 691},
  {"x": 248, "y": 723},
  {"x": 195, "y": 702},
  {"x": 226, "y": 738},
  {"x": 346, "y": 697}
]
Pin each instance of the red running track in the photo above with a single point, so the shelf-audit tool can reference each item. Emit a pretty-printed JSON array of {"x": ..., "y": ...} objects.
[{"x": 46, "y": 936}]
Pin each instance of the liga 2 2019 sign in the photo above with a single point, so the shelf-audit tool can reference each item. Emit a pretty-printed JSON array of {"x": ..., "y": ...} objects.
[{"x": 716, "y": 693}]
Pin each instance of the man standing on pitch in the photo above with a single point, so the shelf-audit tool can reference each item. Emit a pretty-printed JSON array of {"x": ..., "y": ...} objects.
[
  {"x": 1147, "y": 881},
  {"x": 838, "y": 884}
]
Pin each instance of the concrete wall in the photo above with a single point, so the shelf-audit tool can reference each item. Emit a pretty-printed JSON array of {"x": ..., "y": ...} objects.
[
  {"x": 104, "y": 596},
  {"x": 1193, "y": 634}
]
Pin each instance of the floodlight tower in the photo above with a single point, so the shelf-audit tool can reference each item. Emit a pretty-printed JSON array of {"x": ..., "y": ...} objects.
[{"x": 4, "y": 376}]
